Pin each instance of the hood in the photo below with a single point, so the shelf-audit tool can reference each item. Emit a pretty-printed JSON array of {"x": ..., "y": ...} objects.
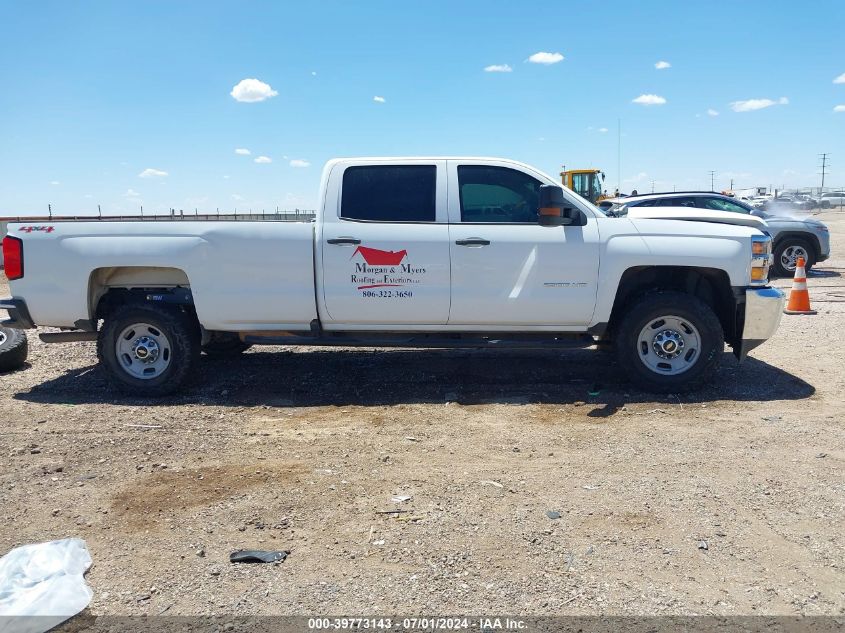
[{"x": 697, "y": 215}]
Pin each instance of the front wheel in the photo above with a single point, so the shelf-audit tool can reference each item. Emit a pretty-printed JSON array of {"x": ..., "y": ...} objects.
[
  {"x": 670, "y": 342},
  {"x": 148, "y": 350},
  {"x": 786, "y": 256}
]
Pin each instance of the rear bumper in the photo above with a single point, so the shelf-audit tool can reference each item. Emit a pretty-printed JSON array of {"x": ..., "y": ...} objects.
[
  {"x": 19, "y": 317},
  {"x": 763, "y": 311}
]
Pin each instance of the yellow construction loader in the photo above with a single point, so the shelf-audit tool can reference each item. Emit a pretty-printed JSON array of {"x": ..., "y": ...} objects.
[{"x": 587, "y": 183}]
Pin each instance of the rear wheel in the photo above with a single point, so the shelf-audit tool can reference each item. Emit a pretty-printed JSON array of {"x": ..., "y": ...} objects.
[
  {"x": 148, "y": 350},
  {"x": 13, "y": 349},
  {"x": 787, "y": 253},
  {"x": 670, "y": 342}
]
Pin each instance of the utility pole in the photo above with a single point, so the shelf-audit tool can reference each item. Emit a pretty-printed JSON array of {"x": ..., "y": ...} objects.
[
  {"x": 619, "y": 155},
  {"x": 824, "y": 167},
  {"x": 652, "y": 186},
  {"x": 732, "y": 184},
  {"x": 712, "y": 180}
]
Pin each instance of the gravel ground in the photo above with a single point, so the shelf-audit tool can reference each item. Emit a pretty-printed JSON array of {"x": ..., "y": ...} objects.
[{"x": 726, "y": 501}]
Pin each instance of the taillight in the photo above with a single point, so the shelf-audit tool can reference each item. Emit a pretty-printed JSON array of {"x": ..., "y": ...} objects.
[{"x": 13, "y": 257}]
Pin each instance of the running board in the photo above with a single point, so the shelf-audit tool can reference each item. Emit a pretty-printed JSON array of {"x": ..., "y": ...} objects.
[
  {"x": 426, "y": 341},
  {"x": 67, "y": 337}
]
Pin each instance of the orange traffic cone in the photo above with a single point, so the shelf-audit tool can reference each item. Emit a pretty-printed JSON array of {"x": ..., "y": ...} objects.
[{"x": 799, "y": 297}]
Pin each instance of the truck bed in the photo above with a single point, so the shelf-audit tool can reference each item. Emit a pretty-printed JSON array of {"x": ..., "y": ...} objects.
[
  {"x": 284, "y": 216},
  {"x": 243, "y": 275}
]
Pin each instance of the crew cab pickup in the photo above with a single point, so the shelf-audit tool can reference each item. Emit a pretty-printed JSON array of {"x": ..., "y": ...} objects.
[{"x": 403, "y": 252}]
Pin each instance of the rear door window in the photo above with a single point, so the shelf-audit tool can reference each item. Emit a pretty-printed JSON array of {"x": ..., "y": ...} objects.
[
  {"x": 389, "y": 193},
  {"x": 720, "y": 204},
  {"x": 680, "y": 201}
]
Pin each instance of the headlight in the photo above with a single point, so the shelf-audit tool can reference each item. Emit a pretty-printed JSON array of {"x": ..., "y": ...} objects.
[{"x": 761, "y": 259}]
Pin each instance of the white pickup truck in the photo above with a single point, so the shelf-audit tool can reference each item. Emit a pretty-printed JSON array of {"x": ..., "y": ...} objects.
[{"x": 404, "y": 252}]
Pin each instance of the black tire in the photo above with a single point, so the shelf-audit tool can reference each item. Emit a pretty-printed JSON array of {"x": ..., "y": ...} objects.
[
  {"x": 779, "y": 269},
  {"x": 181, "y": 331},
  {"x": 13, "y": 349},
  {"x": 691, "y": 310},
  {"x": 224, "y": 345}
]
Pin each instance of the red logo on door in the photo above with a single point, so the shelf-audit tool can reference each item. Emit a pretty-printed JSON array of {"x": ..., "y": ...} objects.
[{"x": 377, "y": 257}]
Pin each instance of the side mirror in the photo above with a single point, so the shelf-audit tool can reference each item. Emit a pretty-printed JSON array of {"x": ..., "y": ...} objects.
[{"x": 553, "y": 208}]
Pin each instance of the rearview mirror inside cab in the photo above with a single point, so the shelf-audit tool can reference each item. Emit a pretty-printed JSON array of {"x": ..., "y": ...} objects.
[{"x": 554, "y": 209}]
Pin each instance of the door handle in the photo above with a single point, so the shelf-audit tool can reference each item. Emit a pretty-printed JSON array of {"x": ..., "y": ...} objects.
[
  {"x": 473, "y": 241},
  {"x": 344, "y": 240}
]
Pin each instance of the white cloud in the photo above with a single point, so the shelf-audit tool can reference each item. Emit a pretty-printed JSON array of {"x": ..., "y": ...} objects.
[
  {"x": 55, "y": 182},
  {"x": 602, "y": 130},
  {"x": 131, "y": 193},
  {"x": 149, "y": 172},
  {"x": 237, "y": 197},
  {"x": 712, "y": 112},
  {"x": 546, "y": 58},
  {"x": 378, "y": 99},
  {"x": 661, "y": 65},
  {"x": 242, "y": 151},
  {"x": 298, "y": 162},
  {"x": 498, "y": 68},
  {"x": 749, "y": 105},
  {"x": 263, "y": 160},
  {"x": 649, "y": 100},
  {"x": 88, "y": 195},
  {"x": 839, "y": 108},
  {"x": 840, "y": 79},
  {"x": 252, "y": 91}
]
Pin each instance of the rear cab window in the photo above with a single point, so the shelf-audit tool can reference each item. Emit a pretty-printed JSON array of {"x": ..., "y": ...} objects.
[{"x": 389, "y": 193}]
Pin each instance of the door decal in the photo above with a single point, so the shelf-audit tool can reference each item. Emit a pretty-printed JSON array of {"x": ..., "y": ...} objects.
[{"x": 375, "y": 268}]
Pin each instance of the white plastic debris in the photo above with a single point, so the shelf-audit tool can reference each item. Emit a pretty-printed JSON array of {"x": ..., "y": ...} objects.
[{"x": 44, "y": 580}]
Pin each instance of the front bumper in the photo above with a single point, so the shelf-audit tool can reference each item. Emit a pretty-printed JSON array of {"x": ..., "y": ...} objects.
[
  {"x": 19, "y": 317},
  {"x": 763, "y": 311},
  {"x": 824, "y": 246}
]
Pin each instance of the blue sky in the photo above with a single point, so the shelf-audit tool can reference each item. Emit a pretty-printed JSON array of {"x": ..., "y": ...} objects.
[{"x": 95, "y": 94}]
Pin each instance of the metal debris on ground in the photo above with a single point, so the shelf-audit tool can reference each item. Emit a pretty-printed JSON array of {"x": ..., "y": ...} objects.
[{"x": 257, "y": 556}]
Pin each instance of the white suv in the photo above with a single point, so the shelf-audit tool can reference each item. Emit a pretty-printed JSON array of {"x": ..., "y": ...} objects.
[{"x": 834, "y": 199}]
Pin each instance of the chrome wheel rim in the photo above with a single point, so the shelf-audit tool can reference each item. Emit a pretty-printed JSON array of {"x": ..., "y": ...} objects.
[
  {"x": 790, "y": 255},
  {"x": 143, "y": 351},
  {"x": 2, "y": 337},
  {"x": 669, "y": 345}
]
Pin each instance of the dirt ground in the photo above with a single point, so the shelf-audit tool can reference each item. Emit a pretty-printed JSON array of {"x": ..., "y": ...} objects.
[{"x": 726, "y": 501}]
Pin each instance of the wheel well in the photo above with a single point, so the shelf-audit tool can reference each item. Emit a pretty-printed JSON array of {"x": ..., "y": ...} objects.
[
  {"x": 811, "y": 239},
  {"x": 114, "y": 286},
  {"x": 711, "y": 285}
]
